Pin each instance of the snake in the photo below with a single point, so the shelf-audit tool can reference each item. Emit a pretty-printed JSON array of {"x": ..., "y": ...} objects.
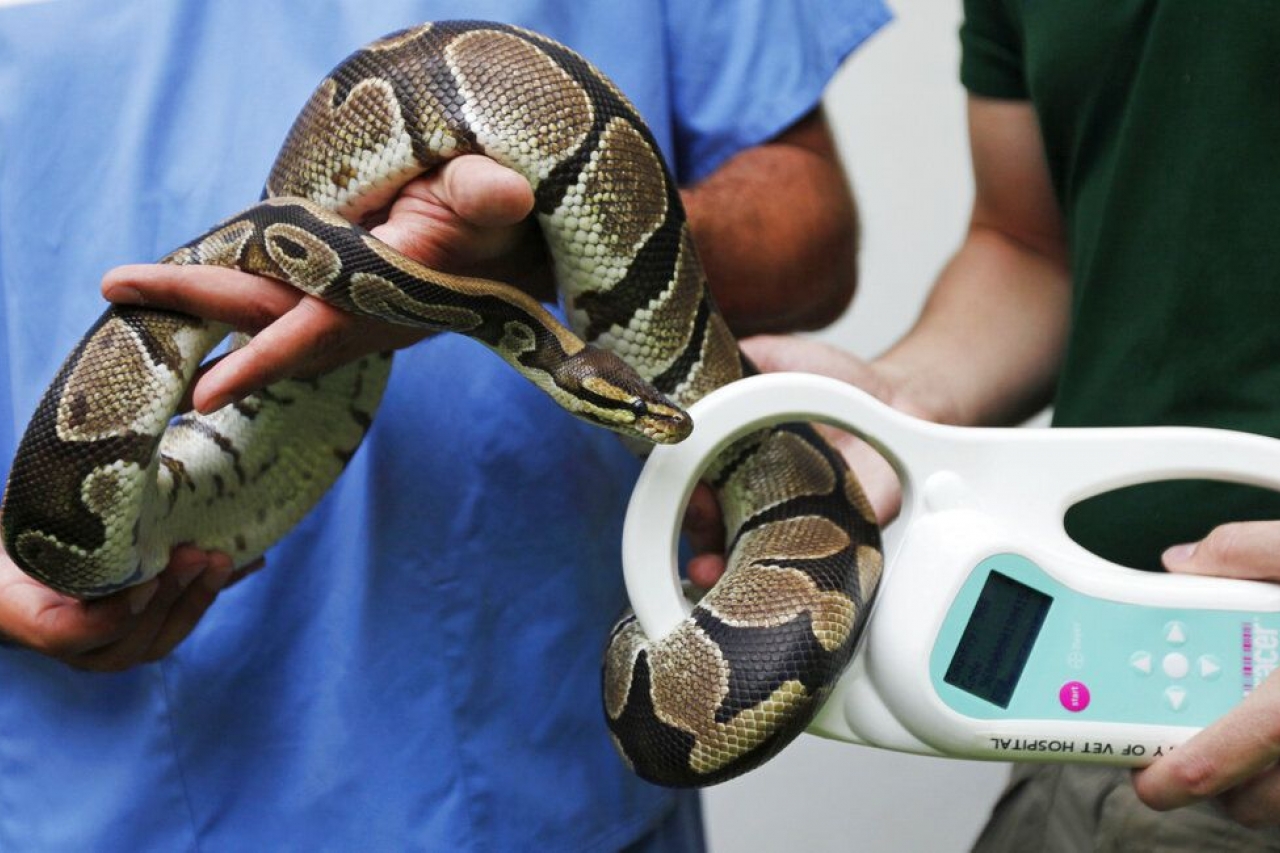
[{"x": 110, "y": 474}]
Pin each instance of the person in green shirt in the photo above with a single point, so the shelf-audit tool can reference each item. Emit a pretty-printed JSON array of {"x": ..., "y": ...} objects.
[{"x": 1122, "y": 263}]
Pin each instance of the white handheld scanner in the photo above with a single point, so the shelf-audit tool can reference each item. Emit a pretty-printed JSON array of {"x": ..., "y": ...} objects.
[{"x": 994, "y": 635}]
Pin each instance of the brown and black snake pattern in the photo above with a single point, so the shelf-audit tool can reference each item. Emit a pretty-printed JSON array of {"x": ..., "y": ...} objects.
[{"x": 104, "y": 484}]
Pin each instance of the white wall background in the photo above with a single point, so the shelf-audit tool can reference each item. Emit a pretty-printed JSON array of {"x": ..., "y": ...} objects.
[{"x": 898, "y": 112}]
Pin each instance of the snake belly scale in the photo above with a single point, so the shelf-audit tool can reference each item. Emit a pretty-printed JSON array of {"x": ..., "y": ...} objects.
[{"x": 107, "y": 479}]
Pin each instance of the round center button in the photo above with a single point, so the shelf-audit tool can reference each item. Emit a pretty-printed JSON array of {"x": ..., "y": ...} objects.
[{"x": 1175, "y": 665}]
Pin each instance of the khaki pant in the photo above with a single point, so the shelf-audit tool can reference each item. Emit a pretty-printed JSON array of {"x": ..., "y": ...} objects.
[{"x": 1076, "y": 808}]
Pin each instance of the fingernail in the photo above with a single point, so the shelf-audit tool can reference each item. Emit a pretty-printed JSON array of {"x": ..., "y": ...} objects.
[
  {"x": 215, "y": 404},
  {"x": 141, "y": 596},
  {"x": 1180, "y": 553},
  {"x": 216, "y": 577},
  {"x": 123, "y": 294}
]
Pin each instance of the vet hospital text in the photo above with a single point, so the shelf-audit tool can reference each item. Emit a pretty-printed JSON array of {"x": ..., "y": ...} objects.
[{"x": 1092, "y": 749}]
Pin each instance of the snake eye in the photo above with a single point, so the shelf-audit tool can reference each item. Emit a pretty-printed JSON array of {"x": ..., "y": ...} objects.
[{"x": 638, "y": 408}]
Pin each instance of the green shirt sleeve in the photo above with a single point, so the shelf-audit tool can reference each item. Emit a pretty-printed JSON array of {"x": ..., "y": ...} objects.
[{"x": 991, "y": 50}]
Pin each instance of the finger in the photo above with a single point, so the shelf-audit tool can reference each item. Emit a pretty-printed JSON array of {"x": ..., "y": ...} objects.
[
  {"x": 186, "y": 562},
  {"x": 703, "y": 523},
  {"x": 704, "y": 530},
  {"x": 59, "y": 626},
  {"x": 777, "y": 353},
  {"x": 1234, "y": 748},
  {"x": 705, "y": 569},
  {"x": 131, "y": 648},
  {"x": 287, "y": 347},
  {"x": 187, "y": 403},
  {"x": 247, "y": 302},
  {"x": 878, "y": 479},
  {"x": 1248, "y": 549},
  {"x": 190, "y": 608},
  {"x": 306, "y": 342}
]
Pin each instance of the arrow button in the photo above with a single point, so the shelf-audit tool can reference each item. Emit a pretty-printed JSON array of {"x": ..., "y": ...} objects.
[{"x": 1175, "y": 697}]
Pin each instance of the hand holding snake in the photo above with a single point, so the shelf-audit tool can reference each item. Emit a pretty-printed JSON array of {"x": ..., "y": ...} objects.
[
  {"x": 469, "y": 217},
  {"x": 468, "y": 212},
  {"x": 137, "y": 625},
  {"x": 103, "y": 484}
]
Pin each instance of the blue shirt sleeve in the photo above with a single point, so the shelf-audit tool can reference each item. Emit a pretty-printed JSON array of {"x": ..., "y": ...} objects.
[{"x": 742, "y": 74}]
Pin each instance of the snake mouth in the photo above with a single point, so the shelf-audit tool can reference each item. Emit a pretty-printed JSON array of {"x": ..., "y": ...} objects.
[
  {"x": 633, "y": 408},
  {"x": 664, "y": 424}
]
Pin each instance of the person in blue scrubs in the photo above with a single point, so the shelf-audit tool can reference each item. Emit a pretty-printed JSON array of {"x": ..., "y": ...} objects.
[{"x": 417, "y": 667}]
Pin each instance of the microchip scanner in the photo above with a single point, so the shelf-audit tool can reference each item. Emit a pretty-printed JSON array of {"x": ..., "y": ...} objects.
[{"x": 994, "y": 635}]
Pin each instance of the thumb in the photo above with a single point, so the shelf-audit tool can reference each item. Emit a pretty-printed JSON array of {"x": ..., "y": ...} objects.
[
  {"x": 482, "y": 192},
  {"x": 1247, "y": 549},
  {"x": 468, "y": 211},
  {"x": 777, "y": 353}
]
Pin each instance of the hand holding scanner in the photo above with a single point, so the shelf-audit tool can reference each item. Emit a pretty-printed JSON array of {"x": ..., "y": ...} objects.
[{"x": 994, "y": 634}]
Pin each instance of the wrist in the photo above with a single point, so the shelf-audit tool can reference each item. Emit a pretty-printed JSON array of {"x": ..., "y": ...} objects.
[{"x": 914, "y": 390}]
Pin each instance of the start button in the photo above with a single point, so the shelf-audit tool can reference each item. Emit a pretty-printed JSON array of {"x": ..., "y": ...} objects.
[{"x": 1074, "y": 696}]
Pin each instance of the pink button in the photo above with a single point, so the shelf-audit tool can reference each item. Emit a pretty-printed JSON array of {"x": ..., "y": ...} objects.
[{"x": 1074, "y": 696}]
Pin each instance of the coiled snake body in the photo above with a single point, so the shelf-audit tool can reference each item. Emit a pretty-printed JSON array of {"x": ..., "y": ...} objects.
[{"x": 106, "y": 480}]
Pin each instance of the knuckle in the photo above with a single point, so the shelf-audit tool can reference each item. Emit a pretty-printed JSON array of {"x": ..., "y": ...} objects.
[
  {"x": 260, "y": 312},
  {"x": 1224, "y": 543},
  {"x": 1195, "y": 774},
  {"x": 329, "y": 326}
]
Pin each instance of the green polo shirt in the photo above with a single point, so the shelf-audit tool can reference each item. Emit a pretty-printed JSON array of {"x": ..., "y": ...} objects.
[{"x": 1161, "y": 123}]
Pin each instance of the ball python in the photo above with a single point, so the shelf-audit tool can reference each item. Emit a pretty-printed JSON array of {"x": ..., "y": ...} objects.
[{"x": 107, "y": 478}]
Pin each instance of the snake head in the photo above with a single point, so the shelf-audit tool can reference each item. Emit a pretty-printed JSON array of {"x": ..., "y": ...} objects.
[
  {"x": 598, "y": 386},
  {"x": 636, "y": 409}
]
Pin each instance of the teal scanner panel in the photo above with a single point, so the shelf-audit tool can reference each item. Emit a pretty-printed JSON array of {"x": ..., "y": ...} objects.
[{"x": 1018, "y": 644}]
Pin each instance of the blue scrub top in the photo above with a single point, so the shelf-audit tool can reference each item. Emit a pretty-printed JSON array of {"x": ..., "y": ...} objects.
[{"x": 418, "y": 668}]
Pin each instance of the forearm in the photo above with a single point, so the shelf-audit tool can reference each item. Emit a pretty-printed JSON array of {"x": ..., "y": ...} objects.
[
  {"x": 989, "y": 342},
  {"x": 777, "y": 232}
]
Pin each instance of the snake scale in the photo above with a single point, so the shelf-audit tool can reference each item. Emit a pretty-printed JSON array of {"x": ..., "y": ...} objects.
[{"x": 107, "y": 479}]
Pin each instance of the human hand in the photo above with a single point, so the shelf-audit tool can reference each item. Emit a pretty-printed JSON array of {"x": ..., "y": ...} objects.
[
  {"x": 470, "y": 217},
  {"x": 703, "y": 525},
  {"x": 1234, "y": 759},
  {"x": 137, "y": 625}
]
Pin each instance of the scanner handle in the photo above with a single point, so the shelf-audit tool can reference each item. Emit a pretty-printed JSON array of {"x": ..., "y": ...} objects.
[{"x": 1026, "y": 477}]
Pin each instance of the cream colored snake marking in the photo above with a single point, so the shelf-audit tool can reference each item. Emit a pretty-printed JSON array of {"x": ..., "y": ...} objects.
[{"x": 107, "y": 480}]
